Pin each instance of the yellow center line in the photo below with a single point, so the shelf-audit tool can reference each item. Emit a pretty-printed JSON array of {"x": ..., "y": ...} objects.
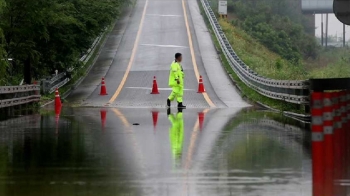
[
  {"x": 193, "y": 142},
  {"x": 127, "y": 124},
  {"x": 191, "y": 149},
  {"x": 194, "y": 62},
  {"x": 122, "y": 118},
  {"x": 131, "y": 61}
]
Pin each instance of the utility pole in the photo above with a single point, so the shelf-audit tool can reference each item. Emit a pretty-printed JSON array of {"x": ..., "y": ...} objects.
[
  {"x": 344, "y": 35},
  {"x": 322, "y": 29},
  {"x": 326, "y": 30}
]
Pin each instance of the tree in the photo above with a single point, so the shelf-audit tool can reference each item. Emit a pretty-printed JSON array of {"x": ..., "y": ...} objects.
[
  {"x": 44, "y": 35},
  {"x": 23, "y": 23},
  {"x": 3, "y": 62}
]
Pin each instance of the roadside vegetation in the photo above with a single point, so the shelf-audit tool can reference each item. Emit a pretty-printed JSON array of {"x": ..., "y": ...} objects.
[
  {"x": 38, "y": 37},
  {"x": 247, "y": 92},
  {"x": 307, "y": 58},
  {"x": 276, "y": 40}
]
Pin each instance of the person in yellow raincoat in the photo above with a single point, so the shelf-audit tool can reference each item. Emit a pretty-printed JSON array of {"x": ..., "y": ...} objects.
[
  {"x": 176, "y": 133},
  {"x": 176, "y": 81}
]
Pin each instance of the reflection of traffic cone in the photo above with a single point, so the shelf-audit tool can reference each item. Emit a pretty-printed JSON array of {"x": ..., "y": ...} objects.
[
  {"x": 201, "y": 85},
  {"x": 57, "y": 117},
  {"x": 155, "y": 119},
  {"x": 103, "y": 87},
  {"x": 155, "y": 86},
  {"x": 200, "y": 120},
  {"x": 58, "y": 103},
  {"x": 103, "y": 114}
]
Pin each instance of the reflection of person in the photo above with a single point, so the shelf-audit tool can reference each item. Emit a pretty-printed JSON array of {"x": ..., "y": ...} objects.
[
  {"x": 176, "y": 81},
  {"x": 176, "y": 133}
]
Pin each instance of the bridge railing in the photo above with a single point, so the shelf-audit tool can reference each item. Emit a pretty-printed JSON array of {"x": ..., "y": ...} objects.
[
  {"x": 292, "y": 91},
  {"x": 49, "y": 84},
  {"x": 18, "y": 95}
]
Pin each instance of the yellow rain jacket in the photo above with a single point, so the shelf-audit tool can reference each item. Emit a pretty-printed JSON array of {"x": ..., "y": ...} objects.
[{"x": 176, "y": 72}]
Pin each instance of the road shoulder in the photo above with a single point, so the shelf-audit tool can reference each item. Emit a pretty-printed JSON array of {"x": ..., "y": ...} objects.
[{"x": 217, "y": 75}]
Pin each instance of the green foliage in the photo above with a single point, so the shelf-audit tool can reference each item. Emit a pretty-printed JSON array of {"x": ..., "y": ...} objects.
[
  {"x": 44, "y": 35},
  {"x": 278, "y": 26},
  {"x": 260, "y": 58},
  {"x": 278, "y": 64},
  {"x": 3, "y": 62},
  {"x": 247, "y": 92}
]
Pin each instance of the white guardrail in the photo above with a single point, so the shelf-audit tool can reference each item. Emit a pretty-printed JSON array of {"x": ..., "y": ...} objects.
[
  {"x": 292, "y": 91},
  {"x": 18, "y": 95}
]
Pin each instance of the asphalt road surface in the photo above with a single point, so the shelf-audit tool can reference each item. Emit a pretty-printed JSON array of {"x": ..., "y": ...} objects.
[{"x": 142, "y": 45}]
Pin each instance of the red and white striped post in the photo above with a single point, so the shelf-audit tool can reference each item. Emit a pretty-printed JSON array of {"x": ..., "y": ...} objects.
[
  {"x": 347, "y": 132},
  {"x": 337, "y": 141},
  {"x": 328, "y": 143},
  {"x": 317, "y": 143},
  {"x": 343, "y": 104},
  {"x": 348, "y": 111}
]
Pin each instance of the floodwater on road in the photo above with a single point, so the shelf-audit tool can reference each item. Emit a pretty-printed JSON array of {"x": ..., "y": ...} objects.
[{"x": 146, "y": 152}]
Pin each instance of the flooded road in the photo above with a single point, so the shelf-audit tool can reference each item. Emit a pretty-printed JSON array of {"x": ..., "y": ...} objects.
[{"x": 145, "y": 152}]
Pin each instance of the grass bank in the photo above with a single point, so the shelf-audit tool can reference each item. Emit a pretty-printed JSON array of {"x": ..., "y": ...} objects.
[
  {"x": 258, "y": 57},
  {"x": 246, "y": 91},
  {"x": 330, "y": 63}
]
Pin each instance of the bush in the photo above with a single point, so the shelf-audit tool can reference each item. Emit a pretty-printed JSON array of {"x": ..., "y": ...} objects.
[{"x": 278, "y": 64}]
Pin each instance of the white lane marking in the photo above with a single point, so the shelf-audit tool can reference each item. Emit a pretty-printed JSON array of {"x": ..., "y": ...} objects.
[
  {"x": 164, "y": 46},
  {"x": 161, "y": 89},
  {"x": 166, "y": 15}
]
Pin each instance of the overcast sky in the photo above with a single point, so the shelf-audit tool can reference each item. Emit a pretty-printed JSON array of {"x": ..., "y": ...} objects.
[{"x": 334, "y": 26}]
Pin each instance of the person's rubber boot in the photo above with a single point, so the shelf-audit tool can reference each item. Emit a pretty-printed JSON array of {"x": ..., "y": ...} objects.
[
  {"x": 168, "y": 111},
  {"x": 180, "y": 105},
  {"x": 168, "y": 103}
]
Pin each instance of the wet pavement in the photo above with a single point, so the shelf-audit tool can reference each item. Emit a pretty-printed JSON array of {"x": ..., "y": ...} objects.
[
  {"x": 217, "y": 146},
  {"x": 141, "y": 152},
  {"x": 142, "y": 45}
]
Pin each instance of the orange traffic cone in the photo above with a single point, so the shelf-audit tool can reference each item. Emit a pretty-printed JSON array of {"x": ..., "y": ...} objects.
[
  {"x": 201, "y": 85},
  {"x": 155, "y": 119},
  {"x": 155, "y": 86},
  {"x": 103, "y": 87},
  {"x": 200, "y": 120},
  {"x": 58, "y": 103},
  {"x": 103, "y": 114}
]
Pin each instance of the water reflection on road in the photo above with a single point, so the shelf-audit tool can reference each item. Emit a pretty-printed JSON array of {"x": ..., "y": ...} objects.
[{"x": 91, "y": 151}]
